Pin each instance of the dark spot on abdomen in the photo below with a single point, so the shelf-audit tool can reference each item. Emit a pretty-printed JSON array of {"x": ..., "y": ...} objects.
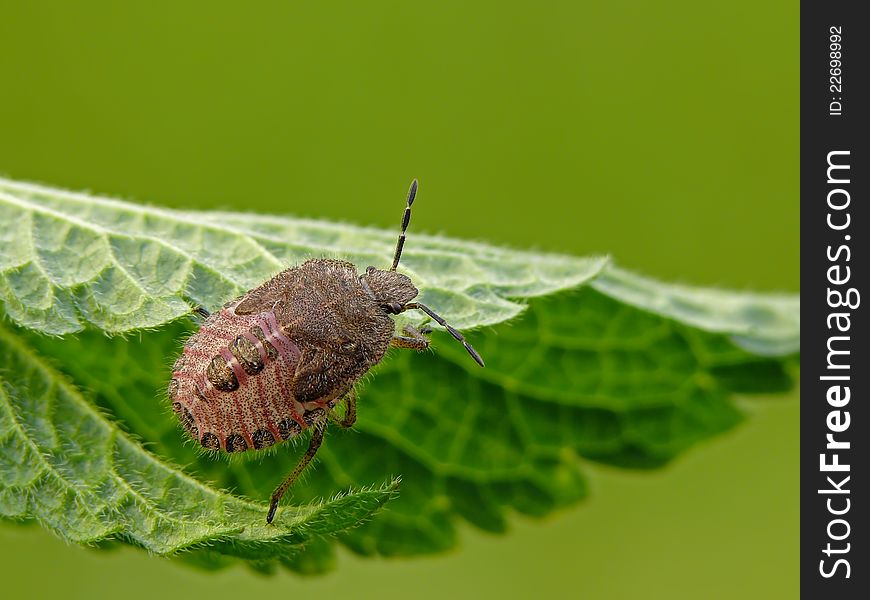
[
  {"x": 288, "y": 428},
  {"x": 236, "y": 443},
  {"x": 210, "y": 441},
  {"x": 263, "y": 438},
  {"x": 247, "y": 355},
  {"x": 186, "y": 419},
  {"x": 221, "y": 375},
  {"x": 271, "y": 351},
  {"x": 311, "y": 416}
]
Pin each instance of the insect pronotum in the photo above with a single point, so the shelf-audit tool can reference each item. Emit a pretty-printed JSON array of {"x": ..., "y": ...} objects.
[{"x": 278, "y": 360}]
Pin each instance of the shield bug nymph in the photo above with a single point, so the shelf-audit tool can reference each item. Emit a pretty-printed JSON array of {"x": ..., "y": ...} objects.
[{"x": 277, "y": 361}]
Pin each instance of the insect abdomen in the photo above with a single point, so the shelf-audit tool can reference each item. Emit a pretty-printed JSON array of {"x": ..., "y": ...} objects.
[{"x": 231, "y": 387}]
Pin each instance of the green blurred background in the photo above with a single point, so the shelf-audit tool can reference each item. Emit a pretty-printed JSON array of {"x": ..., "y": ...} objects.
[{"x": 665, "y": 134}]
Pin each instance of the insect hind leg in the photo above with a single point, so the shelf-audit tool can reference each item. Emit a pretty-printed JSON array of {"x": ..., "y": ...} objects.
[{"x": 313, "y": 447}]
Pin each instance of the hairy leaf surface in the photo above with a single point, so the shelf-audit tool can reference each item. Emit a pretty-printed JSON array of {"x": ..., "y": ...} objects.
[{"x": 585, "y": 363}]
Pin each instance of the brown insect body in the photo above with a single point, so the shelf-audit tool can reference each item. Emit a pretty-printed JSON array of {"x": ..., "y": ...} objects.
[
  {"x": 267, "y": 366},
  {"x": 276, "y": 361}
]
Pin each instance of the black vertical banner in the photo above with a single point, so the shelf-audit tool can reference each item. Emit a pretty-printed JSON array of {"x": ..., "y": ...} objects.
[{"x": 835, "y": 170}]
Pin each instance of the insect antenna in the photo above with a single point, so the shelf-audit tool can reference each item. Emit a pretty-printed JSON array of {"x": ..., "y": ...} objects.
[
  {"x": 406, "y": 218},
  {"x": 459, "y": 337}
]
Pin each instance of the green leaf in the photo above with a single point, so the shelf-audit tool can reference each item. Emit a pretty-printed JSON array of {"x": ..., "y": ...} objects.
[
  {"x": 601, "y": 365},
  {"x": 71, "y": 260}
]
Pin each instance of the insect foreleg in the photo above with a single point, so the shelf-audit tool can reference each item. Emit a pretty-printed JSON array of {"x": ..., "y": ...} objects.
[
  {"x": 413, "y": 339},
  {"x": 201, "y": 312},
  {"x": 313, "y": 446},
  {"x": 349, "y": 412}
]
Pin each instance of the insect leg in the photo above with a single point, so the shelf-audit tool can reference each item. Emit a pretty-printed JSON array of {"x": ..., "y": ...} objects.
[
  {"x": 350, "y": 411},
  {"x": 201, "y": 312},
  {"x": 413, "y": 339},
  {"x": 438, "y": 319},
  {"x": 313, "y": 446}
]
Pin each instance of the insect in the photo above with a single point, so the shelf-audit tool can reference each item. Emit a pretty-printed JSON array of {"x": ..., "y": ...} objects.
[{"x": 278, "y": 360}]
